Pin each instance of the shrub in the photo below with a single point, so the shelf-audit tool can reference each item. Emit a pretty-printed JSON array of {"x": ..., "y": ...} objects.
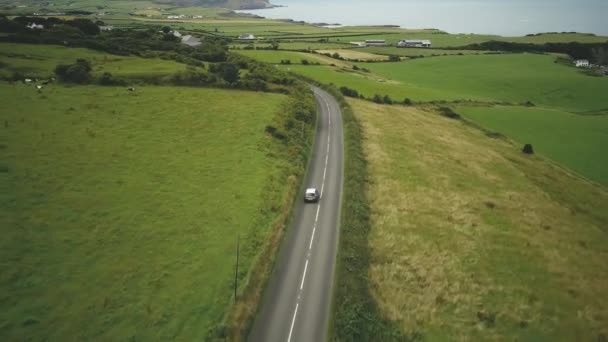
[
  {"x": 305, "y": 62},
  {"x": 387, "y": 100},
  {"x": 407, "y": 101},
  {"x": 449, "y": 113},
  {"x": 108, "y": 80},
  {"x": 394, "y": 58},
  {"x": 79, "y": 72},
  {"x": 349, "y": 92},
  {"x": 528, "y": 149},
  {"x": 378, "y": 99}
]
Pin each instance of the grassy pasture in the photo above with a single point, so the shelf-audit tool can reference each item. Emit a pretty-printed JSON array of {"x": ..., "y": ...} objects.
[
  {"x": 355, "y": 54},
  {"x": 408, "y": 52},
  {"x": 576, "y": 141},
  {"x": 120, "y": 211},
  {"x": 41, "y": 60},
  {"x": 472, "y": 240},
  {"x": 513, "y": 77}
]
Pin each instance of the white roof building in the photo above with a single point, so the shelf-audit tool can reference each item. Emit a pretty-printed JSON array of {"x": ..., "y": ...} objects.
[
  {"x": 34, "y": 26},
  {"x": 247, "y": 36},
  {"x": 377, "y": 42},
  {"x": 581, "y": 63},
  {"x": 190, "y": 41},
  {"x": 414, "y": 43}
]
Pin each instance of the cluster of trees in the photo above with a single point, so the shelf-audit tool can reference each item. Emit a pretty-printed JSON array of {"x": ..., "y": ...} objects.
[
  {"x": 154, "y": 42},
  {"x": 592, "y": 51}
]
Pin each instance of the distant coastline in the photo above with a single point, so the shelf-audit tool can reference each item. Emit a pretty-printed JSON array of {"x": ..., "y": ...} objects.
[{"x": 452, "y": 16}]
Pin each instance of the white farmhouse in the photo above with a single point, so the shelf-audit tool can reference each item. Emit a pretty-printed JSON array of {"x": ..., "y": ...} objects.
[
  {"x": 416, "y": 43},
  {"x": 581, "y": 63}
]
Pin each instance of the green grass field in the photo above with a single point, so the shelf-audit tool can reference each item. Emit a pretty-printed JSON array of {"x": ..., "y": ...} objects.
[
  {"x": 577, "y": 141},
  {"x": 513, "y": 78},
  {"x": 560, "y": 126},
  {"x": 120, "y": 211},
  {"x": 472, "y": 240},
  {"x": 40, "y": 61},
  {"x": 409, "y": 52}
]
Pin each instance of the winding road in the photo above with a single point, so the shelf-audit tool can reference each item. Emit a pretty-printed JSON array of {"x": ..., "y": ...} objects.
[{"x": 297, "y": 301}]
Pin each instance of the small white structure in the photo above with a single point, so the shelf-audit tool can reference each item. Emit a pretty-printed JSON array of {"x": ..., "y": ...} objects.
[
  {"x": 176, "y": 33},
  {"x": 34, "y": 26},
  {"x": 359, "y": 44},
  {"x": 106, "y": 28},
  {"x": 581, "y": 63},
  {"x": 416, "y": 43},
  {"x": 180, "y": 16},
  {"x": 190, "y": 41},
  {"x": 375, "y": 42},
  {"x": 247, "y": 36}
]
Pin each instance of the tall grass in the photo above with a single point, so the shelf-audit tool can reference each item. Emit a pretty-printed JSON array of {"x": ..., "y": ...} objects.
[{"x": 355, "y": 315}]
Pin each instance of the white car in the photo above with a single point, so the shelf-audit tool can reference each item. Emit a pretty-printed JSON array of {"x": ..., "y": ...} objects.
[{"x": 311, "y": 195}]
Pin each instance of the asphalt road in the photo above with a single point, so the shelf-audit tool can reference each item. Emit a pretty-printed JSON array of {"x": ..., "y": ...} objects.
[{"x": 296, "y": 304}]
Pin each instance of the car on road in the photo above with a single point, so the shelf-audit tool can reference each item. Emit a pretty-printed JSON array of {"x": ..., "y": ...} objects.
[{"x": 311, "y": 195}]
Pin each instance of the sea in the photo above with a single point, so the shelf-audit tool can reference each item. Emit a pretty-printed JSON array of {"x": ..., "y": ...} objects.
[{"x": 499, "y": 17}]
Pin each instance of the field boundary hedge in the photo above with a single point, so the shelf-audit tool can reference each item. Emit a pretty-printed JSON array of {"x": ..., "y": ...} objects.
[{"x": 292, "y": 143}]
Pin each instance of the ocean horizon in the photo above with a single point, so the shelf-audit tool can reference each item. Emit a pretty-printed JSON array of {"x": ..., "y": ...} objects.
[{"x": 499, "y": 17}]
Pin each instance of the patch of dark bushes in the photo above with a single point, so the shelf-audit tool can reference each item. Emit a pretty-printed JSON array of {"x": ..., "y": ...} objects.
[
  {"x": 349, "y": 92},
  {"x": 449, "y": 113},
  {"x": 79, "y": 72}
]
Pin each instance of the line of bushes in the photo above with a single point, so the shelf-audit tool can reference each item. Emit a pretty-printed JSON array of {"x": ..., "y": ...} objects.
[
  {"x": 290, "y": 139},
  {"x": 597, "y": 52}
]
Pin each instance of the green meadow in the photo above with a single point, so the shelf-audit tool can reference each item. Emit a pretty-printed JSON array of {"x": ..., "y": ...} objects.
[
  {"x": 120, "y": 211},
  {"x": 511, "y": 77},
  {"x": 40, "y": 61},
  {"x": 577, "y": 141},
  {"x": 567, "y": 124}
]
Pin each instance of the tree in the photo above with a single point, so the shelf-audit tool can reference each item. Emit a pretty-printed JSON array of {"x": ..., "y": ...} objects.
[
  {"x": 378, "y": 99},
  {"x": 387, "y": 99},
  {"x": 528, "y": 149},
  {"x": 275, "y": 45},
  {"x": 407, "y": 101},
  {"x": 85, "y": 25},
  {"x": 166, "y": 29},
  {"x": 79, "y": 72},
  {"x": 600, "y": 55},
  {"x": 229, "y": 73}
]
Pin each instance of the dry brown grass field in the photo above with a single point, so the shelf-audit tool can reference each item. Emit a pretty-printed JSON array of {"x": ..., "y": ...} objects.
[{"x": 473, "y": 240}]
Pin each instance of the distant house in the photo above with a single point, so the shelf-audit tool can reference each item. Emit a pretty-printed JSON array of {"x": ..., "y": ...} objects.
[
  {"x": 360, "y": 44},
  {"x": 190, "y": 41},
  {"x": 415, "y": 43},
  {"x": 180, "y": 16},
  {"x": 581, "y": 63},
  {"x": 34, "y": 26},
  {"x": 106, "y": 28},
  {"x": 375, "y": 42},
  {"x": 247, "y": 36}
]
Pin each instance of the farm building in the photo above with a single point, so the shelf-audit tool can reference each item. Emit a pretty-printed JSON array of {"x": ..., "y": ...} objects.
[
  {"x": 581, "y": 63},
  {"x": 106, "y": 28},
  {"x": 34, "y": 26},
  {"x": 375, "y": 42},
  {"x": 190, "y": 41},
  {"x": 414, "y": 43},
  {"x": 247, "y": 36}
]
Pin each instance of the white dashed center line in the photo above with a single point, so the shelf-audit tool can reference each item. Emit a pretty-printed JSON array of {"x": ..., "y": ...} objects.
[{"x": 314, "y": 229}]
